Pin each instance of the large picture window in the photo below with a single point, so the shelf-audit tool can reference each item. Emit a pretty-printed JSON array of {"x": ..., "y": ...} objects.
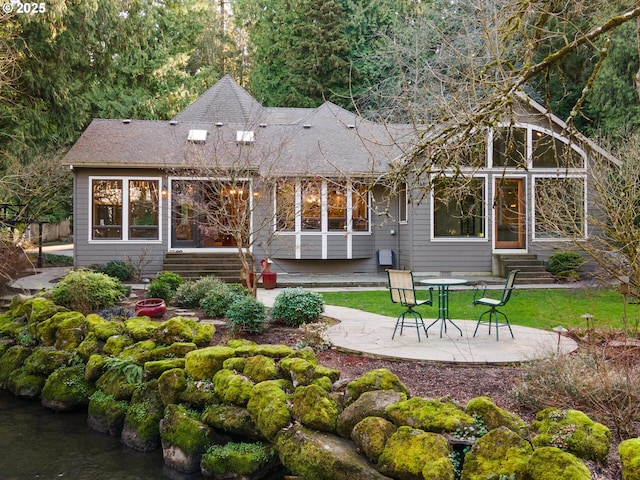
[
  {"x": 460, "y": 215},
  {"x": 325, "y": 206},
  {"x": 559, "y": 207},
  {"x": 125, "y": 209}
]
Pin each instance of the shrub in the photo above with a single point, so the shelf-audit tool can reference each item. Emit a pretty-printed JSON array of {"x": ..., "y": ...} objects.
[
  {"x": 164, "y": 286},
  {"x": 191, "y": 293},
  {"x": 295, "y": 306},
  {"x": 87, "y": 291},
  {"x": 565, "y": 265},
  {"x": 119, "y": 269},
  {"x": 220, "y": 297},
  {"x": 246, "y": 315},
  {"x": 55, "y": 260}
]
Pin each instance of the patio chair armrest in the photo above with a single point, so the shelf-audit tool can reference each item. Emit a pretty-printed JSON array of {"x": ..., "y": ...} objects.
[{"x": 478, "y": 292}]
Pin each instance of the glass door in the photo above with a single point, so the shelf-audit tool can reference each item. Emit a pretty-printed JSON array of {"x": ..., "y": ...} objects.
[
  {"x": 184, "y": 224},
  {"x": 509, "y": 213}
]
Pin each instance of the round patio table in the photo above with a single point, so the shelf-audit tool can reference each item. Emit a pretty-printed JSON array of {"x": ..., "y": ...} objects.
[{"x": 443, "y": 285}]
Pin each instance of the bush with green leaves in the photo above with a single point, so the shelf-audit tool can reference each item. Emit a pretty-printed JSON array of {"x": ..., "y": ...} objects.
[
  {"x": 192, "y": 292},
  {"x": 220, "y": 297},
  {"x": 296, "y": 306},
  {"x": 246, "y": 315},
  {"x": 164, "y": 285},
  {"x": 565, "y": 265},
  {"x": 87, "y": 291}
]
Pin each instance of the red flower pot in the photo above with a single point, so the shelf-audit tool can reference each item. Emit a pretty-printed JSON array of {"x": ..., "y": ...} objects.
[{"x": 151, "y": 307}]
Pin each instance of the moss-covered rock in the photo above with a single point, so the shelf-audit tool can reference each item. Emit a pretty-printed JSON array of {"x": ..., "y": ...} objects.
[
  {"x": 115, "y": 344},
  {"x": 39, "y": 309},
  {"x": 315, "y": 408},
  {"x": 155, "y": 368},
  {"x": 95, "y": 367},
  {"x": 178, "y": 349},
  {"x": 170, "y": 384},
  {"x": 116, "y": 384},
  {"x": 183, "y": 329},
  {"x": 107, "y": 328},
  {"x": 268, "y": 407},
  {"x": 184, "y": 439},
  {"x": 273, "y": 351},
  {"x": 68, "y": 323},
  {"x": 499, "y": 452},
  {"x": 205, "y": 363},
  {"x": 371, "y": 435},
  {"x": 304, "y": 372},
  {"x": 141, "y": 328},
  {"x": 66, "y": 389},
  {"x": 430, "y": 415},
  {"x": 141, "y": 429},
  {"x": 378, "y": 379},
  {"x": 232, "y": 420},
  {"x": 25, "y": 384},
  {"x": 493, "y": 416},
  {"x": 44, "y": 360},
  {"x": 550, "y": 463},
  {"x": 629, "y": 451},
  {"x": 139, "y": 352},
  {"x": 572, "y": 431},
  {"x": 232, "y": 388},
  {"x": 260, "y": 368},
  {"x": 319, "y": 456},
  {"x": 239, "y": 460},
  {"x": 199, "y": 394},
  {"x": 106, "y": 414},
  {"x": 12, "y": 359},
  {"x": 235, "y": 364},
  {"x": 414, "y": 454},
  {"x": 369, "y": 404},
  {"x": 91, "y": 345}
]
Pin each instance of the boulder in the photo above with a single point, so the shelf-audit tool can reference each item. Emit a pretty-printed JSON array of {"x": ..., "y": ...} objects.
[
  {"x": 551, "y": 462},
  {"x": 572, "y": 431},
  {"x": 242, "y": 461},
  {"x": 155, "y": 368},
  {"x": 66, "y": 389},
  {"x": 198, "y": 394},
  {"x": 23, "y": 383},
  {"x": 233, "y": 420},
  {"x": 629, "y": 451},
  {"x": 205, "y": 363},
  {"x": 378, "y": 379},
  {"x": 70, "y": 335},
  {"x": 371, "y": 435},
  {"x": 45, "y": 360},
  {"x": 430, "y": 415},
  {"x": 232, "y": 388},
  {"x": 411, "y": 453},
  {"x": 141, "y": 328},
  {"x": 493, "y": 416},
  {"x": 91, "y": 345},
  {"x": 106, "y": 328},
  {"x": 106, "y": 414},
  {"x": 96, "y": 366},
  {"x": 12, "y": 359},
  {"x": 305, "y": 372},
  {"x": 115, "y": 344},
  {"x": 183, "y": 329},
  {"x": 170, "y": 384},
  {"x": 141, "y": 429},
  {"x": 315, "y": 456},
  {"x": 259, "y": 368},
  {"x": 369, "y": 404},
  {"x": 499, "y": 452},
  {"x": 315, "y": 408},
  {"x": 249, "y": 349},
  {"x": 268, "y": 407}
]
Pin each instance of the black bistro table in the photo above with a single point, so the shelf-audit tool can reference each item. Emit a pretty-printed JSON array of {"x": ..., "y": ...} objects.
[{"x": 443, "y": 285}]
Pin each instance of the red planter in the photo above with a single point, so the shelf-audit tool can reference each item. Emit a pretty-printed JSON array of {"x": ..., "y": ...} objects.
[
  {"x": 151, "y": 307},
  {"x": 269, "y": 280}
]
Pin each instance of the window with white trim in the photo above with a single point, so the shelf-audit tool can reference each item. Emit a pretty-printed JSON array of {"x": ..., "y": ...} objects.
[
  {"x": 461, "y": 215},
  {"x": 560, "y": 207},
  {"x": 125, "y": 209}
]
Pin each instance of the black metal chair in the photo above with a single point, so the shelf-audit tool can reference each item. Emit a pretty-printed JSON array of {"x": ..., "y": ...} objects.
[
  {"x": 494, "y": 303},
  {"x": 403, "y": 291}
]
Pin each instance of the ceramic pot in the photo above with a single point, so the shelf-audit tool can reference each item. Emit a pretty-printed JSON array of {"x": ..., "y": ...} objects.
[{"x": 151, "y": 307}]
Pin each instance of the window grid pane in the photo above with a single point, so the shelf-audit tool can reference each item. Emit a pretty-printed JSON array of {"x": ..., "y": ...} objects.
[
  {"x": 462, "y": 215},
  {"x": 107, "y": 209},
  {"x": 143, "y": 209}
]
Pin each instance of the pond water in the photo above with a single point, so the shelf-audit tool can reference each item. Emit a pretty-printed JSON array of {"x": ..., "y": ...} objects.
[{"x": 36, "y": 443}]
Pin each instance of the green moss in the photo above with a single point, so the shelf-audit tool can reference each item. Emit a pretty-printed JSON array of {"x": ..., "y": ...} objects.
[
  {"x": 232, "y": 388},
  {"x": 95, "y": 367},
  {"x": 429, "y": 414},
  {"x": 315, "y": 408},
  {"x": 89, "y": 346},
  {"x": 12, "y": 359},
  {"x": 235, "y": 364},
  {"x": 155, "y": 368},
  {"x": 106, "y": 414},
  {"x": 139, "y": 352},
  {"x": 116, "y": 344},
  {"x": 629, "y": 451},
  {"x": 273, "y": 351},
  {"x": 499, "y": 452},
  {"x": 198, "y": 394},
  {"x": 170, "y": 383},
  {"x": 141, "y": 328},
  {"x": 550, "y": 463},
  {"x": 39, "y": 309},
  {"x": 493, "y": 416},
  {"x": 91, "y": 321},
  {"x": 44, "y": 360},
  {"x": 572, "y": 431},
  {"x": 183, "y": 329},
  {"x": 413, "y": 453},
  {"x": 116, "y": 385},
  {"x": 260, "y": 368},
  {"x": 268, "y": 407},
  {"x": 66, "y": 389},
  {"x": 371, "y": 434},
  {"x": 178, "y": 349},
  {"x": 204, "y": 363},
  {"x": 378, "y": 379},
  {"x": 46, "y": 331},
  {"x": 25, "y": 384},
  {"x": 107, "y": 329},
  {"x": 231, "y": 419},
  {"x": 239, "y": 342},
  {"x": 246, "y": 459},
  {"x": 181, "y": 430},
  {"x": 144, "y": 413}
]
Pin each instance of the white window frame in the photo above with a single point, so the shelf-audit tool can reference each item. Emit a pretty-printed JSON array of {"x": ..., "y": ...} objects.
[
  {"x": 485, "y": 238},
  {"x": 125, "y": 210},
  {"x": 585, "y": 204}
]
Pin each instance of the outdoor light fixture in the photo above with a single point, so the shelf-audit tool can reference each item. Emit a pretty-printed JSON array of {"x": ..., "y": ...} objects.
[{"x": 164, "y": 192}]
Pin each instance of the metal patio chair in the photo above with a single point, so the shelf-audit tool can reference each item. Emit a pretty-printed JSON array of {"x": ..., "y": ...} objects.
[
  {"x": 494, "y": 303},
  {"x": 403, "y": 291}
]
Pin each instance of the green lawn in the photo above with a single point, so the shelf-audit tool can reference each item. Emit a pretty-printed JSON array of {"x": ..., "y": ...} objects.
[{"x": 537, "y": 308}]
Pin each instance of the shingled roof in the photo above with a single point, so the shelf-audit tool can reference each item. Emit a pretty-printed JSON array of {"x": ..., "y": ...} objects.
[{"x": 294, "y": 141}]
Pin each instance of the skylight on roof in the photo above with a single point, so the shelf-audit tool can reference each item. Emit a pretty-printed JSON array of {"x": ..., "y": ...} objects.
[
  {"x": 245, "y": 136},
  {"x": 197, "y": 136}
]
